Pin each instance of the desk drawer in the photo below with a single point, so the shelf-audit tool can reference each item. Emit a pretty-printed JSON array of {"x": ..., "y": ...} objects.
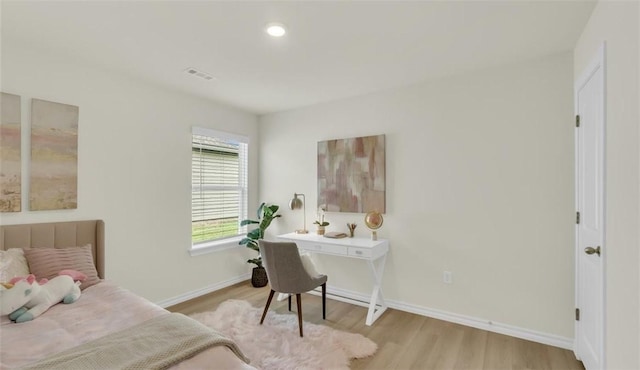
[
  {"x": 360, "y": 252},
  {"x": 322, "y": 248}
]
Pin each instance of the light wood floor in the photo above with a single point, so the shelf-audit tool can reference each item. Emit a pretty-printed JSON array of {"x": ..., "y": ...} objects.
[{"x": 405, "y": 340}]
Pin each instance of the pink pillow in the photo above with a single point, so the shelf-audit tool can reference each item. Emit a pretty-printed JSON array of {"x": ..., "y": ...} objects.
[
  {"x": 48, "y": 262},
  {"x": 75, "y": 275}
]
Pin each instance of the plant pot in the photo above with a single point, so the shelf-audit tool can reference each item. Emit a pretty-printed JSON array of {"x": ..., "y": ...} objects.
[
  {"x": 259, "y": 277},
  {"x": 320, "y": 230}
]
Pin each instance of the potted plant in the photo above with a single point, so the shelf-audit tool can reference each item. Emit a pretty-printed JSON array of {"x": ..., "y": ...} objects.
[
  {"x": 321, "y": 222},
  {"x": 266, "y": 214}
]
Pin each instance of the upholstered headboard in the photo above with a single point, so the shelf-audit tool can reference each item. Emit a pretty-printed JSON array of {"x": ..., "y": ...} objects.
[{"x": 57, "y": 235}]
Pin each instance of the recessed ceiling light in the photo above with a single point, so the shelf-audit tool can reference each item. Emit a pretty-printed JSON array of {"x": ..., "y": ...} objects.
[{"x": 276, "y": 29}]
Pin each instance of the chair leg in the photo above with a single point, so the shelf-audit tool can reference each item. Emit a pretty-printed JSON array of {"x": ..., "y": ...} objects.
[
  {"x": 299, "y": 302},
  {"x": 324, "y": 301},
  {"x": 267, "y": 306},
  {"x": 289, "y": 302}
]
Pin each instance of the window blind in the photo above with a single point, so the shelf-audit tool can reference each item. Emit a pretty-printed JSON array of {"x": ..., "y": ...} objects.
[{"x": 219, "y": 185}]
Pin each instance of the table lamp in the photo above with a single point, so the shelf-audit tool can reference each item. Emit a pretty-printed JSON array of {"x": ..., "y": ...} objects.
[{"x": 297, "y": 203}]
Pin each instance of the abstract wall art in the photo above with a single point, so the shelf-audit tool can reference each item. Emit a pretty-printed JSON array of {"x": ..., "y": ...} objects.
[
  {"x": 351, "y": 174},
  {"x": 54, "y": 156},
  {"x": 10, "y": 158}
]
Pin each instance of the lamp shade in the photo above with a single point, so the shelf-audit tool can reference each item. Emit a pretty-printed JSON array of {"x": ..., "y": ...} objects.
[{"x": 295, "y": 202}]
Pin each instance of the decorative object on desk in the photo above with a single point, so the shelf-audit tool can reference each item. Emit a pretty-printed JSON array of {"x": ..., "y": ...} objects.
[
  {"x": 320, "y": 221},
  {"x": 352, "y": 229},
  {"x": 266, "y": 214},
  {"x": 276, "y": 344},
  {"x": 351, "y": 174},
  {"x": 296, "y": 203},
  {"x": 10, "y": 160},
  {"x": 373, "y": 220},
  {"x": 321, "y": 228},
  {"x": 335, "y": 235}
]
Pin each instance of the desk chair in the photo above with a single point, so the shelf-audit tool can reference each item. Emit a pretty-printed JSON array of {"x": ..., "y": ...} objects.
[{"x": 287, "y": 275}]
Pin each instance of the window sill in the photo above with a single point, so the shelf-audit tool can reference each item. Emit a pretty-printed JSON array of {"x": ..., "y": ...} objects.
[{"x": 215, "y": 246}]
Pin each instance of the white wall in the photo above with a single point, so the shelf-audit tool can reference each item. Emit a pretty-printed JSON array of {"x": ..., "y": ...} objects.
[
  {"x": 479, "y": 182},
  {"x": 134, "y": 168},
  {"x": 617, "y": 24}
]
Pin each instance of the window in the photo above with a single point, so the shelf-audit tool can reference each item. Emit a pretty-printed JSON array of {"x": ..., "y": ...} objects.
[{"x": 218, "y": 186}]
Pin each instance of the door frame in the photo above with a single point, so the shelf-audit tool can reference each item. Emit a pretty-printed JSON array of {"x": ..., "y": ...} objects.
[{"x": 598, "y": 61}]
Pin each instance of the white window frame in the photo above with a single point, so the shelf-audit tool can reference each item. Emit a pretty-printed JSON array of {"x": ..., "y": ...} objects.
[{"x": 243, "y": 187}]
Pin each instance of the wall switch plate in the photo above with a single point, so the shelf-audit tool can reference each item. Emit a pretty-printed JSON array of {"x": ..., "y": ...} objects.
[{"x": 447, "y": 277}]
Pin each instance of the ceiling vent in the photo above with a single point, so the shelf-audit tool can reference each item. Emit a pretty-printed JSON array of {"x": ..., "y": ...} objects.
[{"x": 198, "y": 73}]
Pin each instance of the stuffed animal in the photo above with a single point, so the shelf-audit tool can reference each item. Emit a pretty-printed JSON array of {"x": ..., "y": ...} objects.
[
  {"x": 76, "y": 275},
  {"x": 27, "y": 299},
  {"x": 13, "y": 281}
]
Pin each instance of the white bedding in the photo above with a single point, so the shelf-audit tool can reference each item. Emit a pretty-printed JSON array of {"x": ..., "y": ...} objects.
[{"x": 102, "y": 309}]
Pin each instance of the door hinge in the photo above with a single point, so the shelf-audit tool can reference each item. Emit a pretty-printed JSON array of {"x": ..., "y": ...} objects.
[
  {"x": 578, "y": 218},
  {"x": 577, "y": 314},
  {"x": 577, "y": 120}
]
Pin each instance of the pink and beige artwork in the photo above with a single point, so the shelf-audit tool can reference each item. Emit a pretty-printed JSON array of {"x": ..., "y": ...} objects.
[
  {"x": 10, "y": 163},
  {"x": 351, "y": 174},
  {"x": 54, "y": 156}
]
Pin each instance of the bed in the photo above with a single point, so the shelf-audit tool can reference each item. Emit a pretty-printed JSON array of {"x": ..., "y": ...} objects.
[{"x": 81, "y": 334}]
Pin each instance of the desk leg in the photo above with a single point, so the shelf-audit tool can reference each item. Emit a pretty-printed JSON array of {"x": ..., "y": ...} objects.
[{"x": 377, "y": 270}]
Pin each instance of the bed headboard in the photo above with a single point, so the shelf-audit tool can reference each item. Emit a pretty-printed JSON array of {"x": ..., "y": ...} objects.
[{"x": 57, "y": 235}]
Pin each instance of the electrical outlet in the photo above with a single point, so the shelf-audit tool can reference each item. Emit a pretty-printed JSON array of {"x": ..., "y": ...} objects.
[{"x": 447, "y": 277}]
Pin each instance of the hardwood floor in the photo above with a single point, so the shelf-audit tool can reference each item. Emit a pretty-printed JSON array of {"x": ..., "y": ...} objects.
[{"x": 405, "y": 340}]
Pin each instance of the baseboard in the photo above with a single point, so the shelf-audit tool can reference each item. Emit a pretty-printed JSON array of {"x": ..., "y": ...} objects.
[
  {"x": 488, "y": 325},
  {"x": 202, "y": 291}
]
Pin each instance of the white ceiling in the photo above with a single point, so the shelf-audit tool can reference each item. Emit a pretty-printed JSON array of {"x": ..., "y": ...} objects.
[{"x": 332, "y": 50}]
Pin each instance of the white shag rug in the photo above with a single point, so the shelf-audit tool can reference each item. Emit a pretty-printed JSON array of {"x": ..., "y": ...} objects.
[{"x": 276, "y": 344}]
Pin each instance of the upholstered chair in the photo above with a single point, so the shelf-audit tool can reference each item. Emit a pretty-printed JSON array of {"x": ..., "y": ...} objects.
[{"x": 287, "y": 275}]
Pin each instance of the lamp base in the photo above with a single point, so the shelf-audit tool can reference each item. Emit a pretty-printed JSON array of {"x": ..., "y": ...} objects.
[{"x": 302, "y": 231}]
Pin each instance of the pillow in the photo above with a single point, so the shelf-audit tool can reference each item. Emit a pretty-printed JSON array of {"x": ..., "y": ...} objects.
[
  {"x": 48, "y": 262},
  {"x": 308, "y": 265},
  {"x": 12, "y": 264}
]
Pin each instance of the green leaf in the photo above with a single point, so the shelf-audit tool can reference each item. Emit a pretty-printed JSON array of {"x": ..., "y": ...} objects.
[
  {"x": 256, "y": 261},
  {"x": 244, "y": 241},
  {"x": 254, "y": 246},
  {"x": 260, "y": 210},
  {"x": 248, "y": 222},
  {"x": 254, "y": 234},
  {"x": 265, "y": 223}
]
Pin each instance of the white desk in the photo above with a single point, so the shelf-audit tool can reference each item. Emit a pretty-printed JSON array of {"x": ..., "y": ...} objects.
[{"x": 372, "y": 251}]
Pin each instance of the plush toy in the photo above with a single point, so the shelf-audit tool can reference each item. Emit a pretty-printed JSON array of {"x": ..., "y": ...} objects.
[
  {"x": 13, "y": 281},
  {"x": 27, "y": 299}
]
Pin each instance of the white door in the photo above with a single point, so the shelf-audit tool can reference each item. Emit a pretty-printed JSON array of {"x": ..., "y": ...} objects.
[{"x": 590, "y": 249}]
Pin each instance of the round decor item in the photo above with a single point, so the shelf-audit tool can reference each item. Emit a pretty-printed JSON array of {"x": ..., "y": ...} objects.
[
  {"x": 259, "y": 277},
  {"x": 373, "y": 220}
]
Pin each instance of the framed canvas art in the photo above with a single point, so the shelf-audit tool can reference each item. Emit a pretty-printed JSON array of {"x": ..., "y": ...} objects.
[
  {"x": 54, "y": 156},
  {"x": 351, "y": 174},
  {"x": 10, "y": 157}
]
